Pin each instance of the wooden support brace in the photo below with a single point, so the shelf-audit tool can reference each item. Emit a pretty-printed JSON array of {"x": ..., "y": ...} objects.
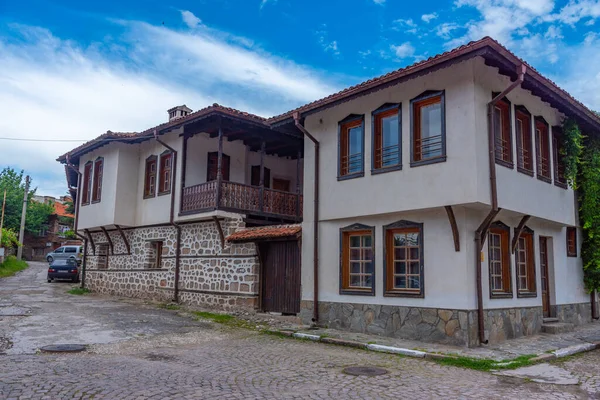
[
  {"x": 220, "y": 229},
  {"x": 91, "y": 239},
  {"x": 455, "y": 233},
  {"x": 518, "y": 232},
  {"x": 124, "y": 239},
  {"x": 485, "y": 226},
  {"x": 110, "y": 243}
]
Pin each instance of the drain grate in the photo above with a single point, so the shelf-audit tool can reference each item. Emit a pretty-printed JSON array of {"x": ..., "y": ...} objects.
[
  {"x": 365, "y": 371},
  {"x": 63, "y": 348}
]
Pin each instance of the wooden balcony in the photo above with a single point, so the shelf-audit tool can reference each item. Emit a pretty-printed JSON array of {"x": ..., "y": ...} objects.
[{"x": 246, "y": 199}]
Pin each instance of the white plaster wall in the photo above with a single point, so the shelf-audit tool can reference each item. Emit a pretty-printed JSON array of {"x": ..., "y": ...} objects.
[
  {"x": 126, "y": 200},
  {"x": 200, "y": 145},
  {"x": 282, "y": 168},
  {"x": 517, "y": 191}
]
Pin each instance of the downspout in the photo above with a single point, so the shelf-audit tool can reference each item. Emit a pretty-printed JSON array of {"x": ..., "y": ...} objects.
[
  {"x": 302, "y": 129},
  {"x": 172, "y": 216},
  {"x": 481, "y": 232},
  {"x": 75, "y": 223}
]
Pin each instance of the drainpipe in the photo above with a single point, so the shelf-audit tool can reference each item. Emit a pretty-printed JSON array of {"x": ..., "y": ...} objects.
[
  {"x": 172, "y": 216},
  {"x": 594, "y": 305},
  {"x": 315, "y": 219},
  {"x": 76, "y": 221},
  {"x": 481, "y": 232}
]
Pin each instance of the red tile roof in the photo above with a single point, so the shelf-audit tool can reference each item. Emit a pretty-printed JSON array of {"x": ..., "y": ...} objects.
[
  {"x": 265, "y": 233},
  {"x": 61, "y": 210}
]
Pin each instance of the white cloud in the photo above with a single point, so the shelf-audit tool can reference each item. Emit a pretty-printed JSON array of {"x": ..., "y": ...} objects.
[
  {"x": 408, "y": 25},
  {"x": 576, "y": 10},
  {"x": 265, "y": 2},
  {"x": 429, "y": 17},
  {"x": 55, "y": 89},
  {"x": 380, "y": 2},
  {"x": 404, "y": 50},
  {"x": 190, "y": 19},
  {"x": 444, "y": 30},
  {"x": 328, "y": 46},
  {"x": 553, "y": 32}
]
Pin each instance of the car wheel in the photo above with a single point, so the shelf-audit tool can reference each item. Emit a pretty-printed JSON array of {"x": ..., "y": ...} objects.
[{"x": 49, "y": 259}]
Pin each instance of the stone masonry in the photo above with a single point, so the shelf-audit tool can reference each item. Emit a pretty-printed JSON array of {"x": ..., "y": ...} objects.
[{"x": 210, "y": 275}]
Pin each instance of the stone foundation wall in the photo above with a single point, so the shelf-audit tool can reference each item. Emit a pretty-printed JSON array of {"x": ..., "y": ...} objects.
[
  {"x": 510, "y": 323},
  {"x": 210, "y": 275},
  {"x": 577, "y": 314}
]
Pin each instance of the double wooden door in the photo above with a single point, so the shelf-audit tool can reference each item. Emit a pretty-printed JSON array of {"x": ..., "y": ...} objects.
[{"x": 280, "y": 276}]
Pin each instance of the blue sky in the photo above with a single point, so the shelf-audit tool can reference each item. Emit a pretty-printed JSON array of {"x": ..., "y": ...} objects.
[{"x": 73, "y": 69}]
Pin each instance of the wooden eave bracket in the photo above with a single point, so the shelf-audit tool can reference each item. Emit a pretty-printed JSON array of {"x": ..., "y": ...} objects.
[
  {"x": 88, "y": 234},
  {"x": 455, "y": 232},
  {"x": 108, "y": 239},
  {"x": 518, "y": 233},
  {"x": 482, "y": 231},
  {"x": 124, "y": 239},
  {"x": 220, "y": 229}
]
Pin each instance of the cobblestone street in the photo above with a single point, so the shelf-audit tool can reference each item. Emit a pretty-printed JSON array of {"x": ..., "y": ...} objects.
[{"x": 193, "y": 360}]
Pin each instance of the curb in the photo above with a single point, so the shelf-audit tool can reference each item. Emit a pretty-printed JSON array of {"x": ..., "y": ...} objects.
[{"x": 569, "y": 351}]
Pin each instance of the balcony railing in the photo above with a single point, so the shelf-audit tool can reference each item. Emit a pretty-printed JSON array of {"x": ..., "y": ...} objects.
[{"x": 238, "y": 197}]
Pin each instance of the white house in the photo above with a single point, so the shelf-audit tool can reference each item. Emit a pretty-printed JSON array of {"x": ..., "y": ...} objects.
[{"x": 435, "y": 205}]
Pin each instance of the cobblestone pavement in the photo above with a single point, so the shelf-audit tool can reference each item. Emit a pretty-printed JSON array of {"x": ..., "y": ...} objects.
[{"x": 205, "y": 361}]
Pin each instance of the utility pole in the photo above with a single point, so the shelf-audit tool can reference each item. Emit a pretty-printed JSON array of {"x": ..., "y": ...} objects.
[{"x": 23, "y": 215}]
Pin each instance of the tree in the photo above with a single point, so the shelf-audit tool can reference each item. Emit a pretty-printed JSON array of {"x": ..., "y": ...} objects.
[
  {"x": 9, "y": 239},
  {"x": 70, "y": 206},
  {"x": 37, "y": 216}
]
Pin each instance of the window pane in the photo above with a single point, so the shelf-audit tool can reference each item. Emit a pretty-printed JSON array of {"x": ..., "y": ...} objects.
[
  {"x": 414, "y": 282},
  {"x": 400, "y": 282},
  {"x": 412, "y": 239},
  {"x": 414, "y": 268},
  {"x": 366, "y": 240},
  {"x": 354, "y": 241},
  {"x": 414, "y": 253},
  {"x": 431, "y": 130},
  {"x": 355, "y": 280},
  {"x": 355, "y": 267},
  {"x": 367, "y": 254},
  {"x": 400, "y": 268},
  {"x": 369, "y": 268},
  {"x": 368, "y": 281},
  {"x": 389, "y": 135},
  {"x": 400, "y": 254},
  {"x": 354, "y": 254},
  {"x": 355, "y": 149}
]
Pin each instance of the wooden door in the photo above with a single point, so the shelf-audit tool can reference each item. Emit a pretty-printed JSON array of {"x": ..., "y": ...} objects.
[
  {"x": 255, "y": 176},
  {"x": 281, "y": 184},
  {"x": 544, "y": 273},
  {"x": 281, "y": 277}
]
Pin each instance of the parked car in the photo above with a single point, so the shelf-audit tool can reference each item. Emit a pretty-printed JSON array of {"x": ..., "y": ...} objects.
[
  {"x": 63, "y": 269},
  {"x": 66, "y": 252}
]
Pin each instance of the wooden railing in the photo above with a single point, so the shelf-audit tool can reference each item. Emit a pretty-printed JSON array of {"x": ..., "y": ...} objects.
[{"x": 244, "y": 198}]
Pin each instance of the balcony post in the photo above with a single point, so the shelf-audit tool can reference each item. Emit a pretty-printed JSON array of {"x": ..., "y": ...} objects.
[
  {"x": 219, "y": 169},
  {"x": 262, "y": 177},
  {"x": 298, "y": 166},
  {"x": 183, "y": 169}
]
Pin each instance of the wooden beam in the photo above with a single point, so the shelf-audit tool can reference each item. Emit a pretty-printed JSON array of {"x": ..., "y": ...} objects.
[
  {"x": 124, "y": 239},
  {"x": 108, "y": 239},
  {"x": 262, "y": 177},
  {"x": 220, "y": 229},
  {"x": 91, "y": 239},
  {"x": 455, "y": 232},
  {"x": 485, "y": 226},
  {"x": 219, "y": 162},
  {"x": 518, "y": 232}
]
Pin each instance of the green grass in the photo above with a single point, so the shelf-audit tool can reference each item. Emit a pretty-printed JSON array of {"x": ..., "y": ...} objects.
[
  {"x": 79, "y": 291},
  {"x": 11, "y": 266},
  {"x": 220, "y": 318},
  {"x": 485, "y": 364},
  {"x": 170, "y": 306}
]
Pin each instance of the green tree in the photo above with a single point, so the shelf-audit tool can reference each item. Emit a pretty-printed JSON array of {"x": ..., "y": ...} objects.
[
  {"x": 37, "y": 216},
  {"x": 9, "y": 239},
  {"x": 70, "y": 207}
]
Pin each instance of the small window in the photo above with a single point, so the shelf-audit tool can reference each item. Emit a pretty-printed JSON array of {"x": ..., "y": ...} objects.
[
  {"x": 524, "y": 148},
  {"x": 70, "y": 249},
  {"x": 404, "y": 259},
  {"x": 351, "y": 147},
  {"x": 98, "y": 172},
  {"x": 213, "y": 162},
  {"x": 87, "y": 183},
  {"x": 150, "y": 177},
  {"x": 102, "y": 253},
  {"x": 559, "y": 157},
  {"x": 387, "y": 138},
  {"x": 60, "y": 250},
  {"x": 357, "y": 273},
  {"x": 571, "y": 242},
  {"x": 542, "y": 150},
  {"x": 166, "y": 166},
  {"x": 255, "y": 176},
  {"x": 154, "y": 250},
  {"x": 525, "y": 264},
  {"x": 499, "y": 260},
  {"x": 428, "y": 128},
  {"x": 503, "y": 132}
]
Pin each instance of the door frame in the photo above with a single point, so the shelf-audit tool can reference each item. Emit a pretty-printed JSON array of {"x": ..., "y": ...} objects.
[
  {"x": 545, "y": 290},
  {"x": 262, "y": 248}
]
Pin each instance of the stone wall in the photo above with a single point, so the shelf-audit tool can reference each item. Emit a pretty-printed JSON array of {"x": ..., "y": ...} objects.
[
  {"x": 510, "y": 323},
  {"x": 210, "y": 275},
  {"x": 577, "y": 314}
]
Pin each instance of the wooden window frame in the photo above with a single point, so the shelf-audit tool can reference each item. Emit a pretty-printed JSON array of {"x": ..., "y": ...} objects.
[
  {"x": 524, "y": 116},
  {"x": 388, "y": 259},
  {"x": 86, "y": 186},
  {"x": 98, "y": 177},
  {"x": 506, "y": 160},
  {"x": 267, "y": 176},
  {"x": 345, "y": 234},
  {"x": 386, "y": 110},
  {"x": 498, "y": 228},
  {"x": 571, "y": 241},
  {"x": 426, "y": 98},
  {"x": 527, "y": 236},
  {"x": 150, "y": 177},
  {"x": 542, "y": 130},
  {"x": 102, "y": 255},
  {"x": 558, "y": 157},
  {"x": 164, "y": 183},
  {"x": 226, "y": 161},
  {"x": 154, "y": 261},
  {"x": 351, "y": 121}
]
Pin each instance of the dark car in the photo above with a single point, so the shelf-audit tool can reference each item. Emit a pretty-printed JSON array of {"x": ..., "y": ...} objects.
[{"x": 63, "y": 269}]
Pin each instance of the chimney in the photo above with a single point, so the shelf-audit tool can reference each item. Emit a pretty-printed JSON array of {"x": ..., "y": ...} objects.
[{"x": 178, "y": 112}]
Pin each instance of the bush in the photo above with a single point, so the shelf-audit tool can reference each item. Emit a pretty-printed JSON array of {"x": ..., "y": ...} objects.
[{"x": 11, "y": 266}]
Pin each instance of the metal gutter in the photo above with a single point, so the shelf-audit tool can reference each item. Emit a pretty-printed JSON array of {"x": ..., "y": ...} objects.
[{"x": 76, "y": 221}]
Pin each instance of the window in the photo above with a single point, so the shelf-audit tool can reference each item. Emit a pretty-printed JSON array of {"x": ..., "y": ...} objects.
[
  {"x": 542, "y": 150},
  {"x": 71, "y": 250},
  {"x": 98, "y": 171},
  {"x": 503, "y": 132},
  {"x": 87, "y": 183},
  {"x": 428, "y": 128},
  {"x": 351, "y": 147},
  {"x": 525, "y": 264},
  {"x": 166, "y": 166},
  {"x": 154, "y": 250},
  {"x": 213, "y": 162},
  {"x": 571, "y": 242},
  {"x": 403, "y": 259},
  {"x": 357, "y": 247},
  {"x": 102, "y": 252},
  {"x": 558, "y": 156},
  {"x": 60, "y": 250},
  {"x": 387, "y": 138},
  {"x": 150, "y": 177},
  {"x": 499, "y": 260},
  {"x": 255, "y": 176},
  {"x": 524, "y": 148}
]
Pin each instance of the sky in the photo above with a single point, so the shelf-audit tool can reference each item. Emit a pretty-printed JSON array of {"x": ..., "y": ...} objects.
[{"x": 71, "y": 70}]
